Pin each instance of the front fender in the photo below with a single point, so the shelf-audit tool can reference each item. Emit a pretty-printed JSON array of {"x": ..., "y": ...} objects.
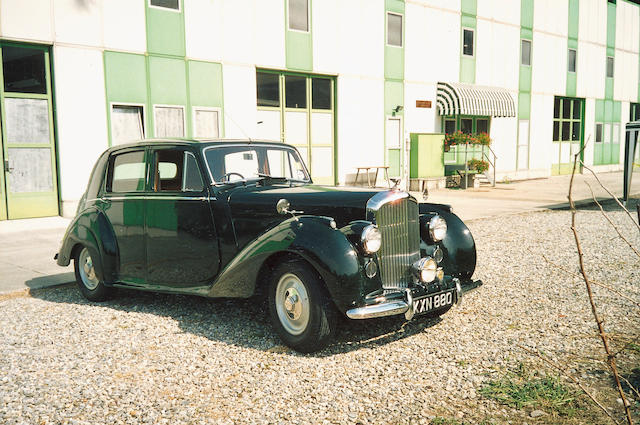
[
  {"x": 93, "y": 230},
  {"x": 310, "y": 237},
  {"x": 458, "y": 246}
]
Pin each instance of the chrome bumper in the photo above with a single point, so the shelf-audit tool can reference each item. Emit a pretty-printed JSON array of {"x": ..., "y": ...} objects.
[{"x": 394, "y": 307}]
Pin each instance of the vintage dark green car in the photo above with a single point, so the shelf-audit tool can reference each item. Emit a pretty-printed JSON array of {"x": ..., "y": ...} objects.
[{"x": 242, "y": 218}]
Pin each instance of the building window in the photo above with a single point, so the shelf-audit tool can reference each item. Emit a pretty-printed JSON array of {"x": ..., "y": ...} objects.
[
  {"x": 175, "y": 170},
  {"x": 127, "y": 123},
  {"x": 482, "y": 125},
  {"x": 449, "y": 126},
  {"x": 394, "y": 29},
  {"x": 572, "y": 60},
  {"x": 467, "y": 42},
  {"x": 599, "y": 133},
  {"x": 299, "y": 15},
  {"x": 320, "y": 93},
  {"x": 525, "y": 52},
  {"x": 268, "y": 86},
  {"x": 567, "y": 116},
  {"x": 634, "y": 112},
  {"x": 166, "y": 4},
  {"x": 169, "y": 121},
  {"x": 609, "y": 66},
  {"x": 466, "y": 125},
  {"x": 206, "y": 122},
  {"x": 24, "y": 70},
  {"x": 295, "y": 91}
]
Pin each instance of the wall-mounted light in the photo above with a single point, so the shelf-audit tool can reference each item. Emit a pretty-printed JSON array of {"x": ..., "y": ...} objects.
[{"x": 397, "y": 109}]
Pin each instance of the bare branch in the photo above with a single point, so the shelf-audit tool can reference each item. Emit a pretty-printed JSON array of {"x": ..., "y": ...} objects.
[
  {"x": 611, "y": 222},
  {"x": 603, "y": 336},
  {"x": 607, "y": 190},
  {"x": 574, "y": 380},
  {"x": 635, "y": 390}
]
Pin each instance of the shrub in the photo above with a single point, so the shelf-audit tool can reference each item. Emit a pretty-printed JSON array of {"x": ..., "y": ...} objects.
[{"x": 478, "y": 164}]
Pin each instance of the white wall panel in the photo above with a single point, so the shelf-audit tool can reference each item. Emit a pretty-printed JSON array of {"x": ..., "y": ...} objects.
[
  {"x": 420, "y": 120},
  {"x": 81, "y": 116},
  {"x": 627, "y": 21},
  {"x": 498, "y": 55},
  {"x": 500, "y": 10},
  {"x": 268, "y": 33},
  {"x": 237, "y": 23},
  {"x": 541, "y": 132},
  {"x": 27, "y": 19},
  {"x": 432, "y": 51},
  {"x": 452, "y": 5},
  {"x": 551, "y": 16},
  {"x": 204, "y": 32},
  {"x": 593, "y": 21},
  {"x": 348, "y": 37},
  {"x": 78, "y": 22},
  {"x": 549, "y": 60},
  {"x": 360, "y": 124},
  {"x": 504, "y": 136},
  {"x": 124, "y": 25},
  {"x": 591, "y": 70},
  {"x": 239, "y": 85},
  {"x": 625, "y": 84}
]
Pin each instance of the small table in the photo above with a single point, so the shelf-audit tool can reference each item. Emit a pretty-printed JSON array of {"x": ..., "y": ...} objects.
[{"x": 378, "y": 168}]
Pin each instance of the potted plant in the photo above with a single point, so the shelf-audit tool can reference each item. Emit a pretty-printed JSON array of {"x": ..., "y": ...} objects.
[
  {"x": 479, "y": 165},
  {"x": 455, "y": 138}
]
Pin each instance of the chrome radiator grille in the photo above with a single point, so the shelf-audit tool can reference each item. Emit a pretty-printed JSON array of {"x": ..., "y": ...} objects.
[{"x": 400, "y": 229}]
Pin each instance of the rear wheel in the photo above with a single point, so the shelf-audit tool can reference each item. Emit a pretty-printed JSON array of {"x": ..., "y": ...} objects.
[
  {"x": 90, "y": 285},
  {"x": 300, "y": 309}
]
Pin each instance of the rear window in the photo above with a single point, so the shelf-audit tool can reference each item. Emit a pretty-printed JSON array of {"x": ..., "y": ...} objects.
[{"x": 127, "y": 172}]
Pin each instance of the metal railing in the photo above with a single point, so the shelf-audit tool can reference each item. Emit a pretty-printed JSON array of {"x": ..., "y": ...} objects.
[{"x": 484, "y": 155}]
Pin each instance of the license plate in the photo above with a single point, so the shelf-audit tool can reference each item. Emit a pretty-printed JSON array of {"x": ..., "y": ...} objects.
[{"x": 432, "y": 302}]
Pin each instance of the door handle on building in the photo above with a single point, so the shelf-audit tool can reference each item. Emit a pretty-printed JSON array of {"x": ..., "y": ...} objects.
[{"x": 7, "y": 169}]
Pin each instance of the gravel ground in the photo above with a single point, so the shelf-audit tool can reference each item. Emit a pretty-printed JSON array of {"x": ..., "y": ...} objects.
[{"x": 152, "y": 358}]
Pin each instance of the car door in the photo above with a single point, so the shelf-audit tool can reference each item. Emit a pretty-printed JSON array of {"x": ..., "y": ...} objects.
[
  {"x": 123, "y": 203},
  {"x": 181, "y": 245}
]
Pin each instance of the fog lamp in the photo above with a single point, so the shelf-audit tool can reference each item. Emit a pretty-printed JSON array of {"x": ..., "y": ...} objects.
[{"x": 425, "y": 269}]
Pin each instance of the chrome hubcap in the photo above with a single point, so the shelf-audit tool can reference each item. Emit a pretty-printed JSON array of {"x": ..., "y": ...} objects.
[
  {"x": 87, "y": 271},
  {"x": 292, "y": 304}
]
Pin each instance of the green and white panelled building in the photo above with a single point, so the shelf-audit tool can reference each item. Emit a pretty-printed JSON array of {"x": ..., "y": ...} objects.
[{"x": 348, "y": 82}]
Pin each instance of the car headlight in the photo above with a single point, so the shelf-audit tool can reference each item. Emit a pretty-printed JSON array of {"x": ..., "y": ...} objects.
[
  {"x": 371, "y": 239},
  {"x": 437, "y": 228},
  {"x": 426, "y": 269}
]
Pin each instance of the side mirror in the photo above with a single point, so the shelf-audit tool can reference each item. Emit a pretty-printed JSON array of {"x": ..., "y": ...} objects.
[{"x": 282, "y": 206}]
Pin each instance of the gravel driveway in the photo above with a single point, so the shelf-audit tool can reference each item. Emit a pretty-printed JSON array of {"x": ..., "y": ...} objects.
[{"x": 151, "y": 358}]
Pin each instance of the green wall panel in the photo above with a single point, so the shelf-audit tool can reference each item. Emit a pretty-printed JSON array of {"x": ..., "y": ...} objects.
[
  {"x": 467, "y": 70},
  {"x": 393, "y": 62},
  {"x": 468, "y": 63},
  {"x": 526, "y": 13},
  {"x": 396, "y": 6},
  {"x": 165, "y": 31},
  {"x": 393, "y": 96},
  {"x": 574, "y": 18},
  {"x": 617, "y": 111},
  {"x": 599, "y": 110},
  {"x": 608, "y": 110},
  {"x": 608, "y": 88},
  {"x": 526, "y": 33},
  {"x": 572, "y": 82},
  {"x": 205, "y": 84},
  {"x": 298, "y": 44},
  {"x": 125, "y": 77},
  {"x": 469, "y": 7},
  {"x": 525, "y": 78},
  {"x": 469, "y": 22},
  {"x": 611, "y": 24},
  {"x": 524, "y": 106},
  {"x": 167, "y": 78}
]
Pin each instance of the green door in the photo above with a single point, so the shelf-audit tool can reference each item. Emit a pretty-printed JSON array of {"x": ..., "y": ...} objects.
[{"x": 28, "y": 184}]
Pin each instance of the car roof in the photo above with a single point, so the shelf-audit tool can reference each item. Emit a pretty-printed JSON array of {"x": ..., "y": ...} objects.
[{"x": 195, "y": 142}]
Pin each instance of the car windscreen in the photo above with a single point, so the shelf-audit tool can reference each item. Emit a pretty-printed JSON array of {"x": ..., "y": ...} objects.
[{"x": 229, "y": 163}]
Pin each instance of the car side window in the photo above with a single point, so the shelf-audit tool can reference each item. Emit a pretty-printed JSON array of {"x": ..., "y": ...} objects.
[
  {"x": 127, "y": 172},
  {"x": 176, "y": 170}
]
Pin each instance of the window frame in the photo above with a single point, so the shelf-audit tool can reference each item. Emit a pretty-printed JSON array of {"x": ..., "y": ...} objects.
[
  {"x": 207, "y": 109},
  {"x": 522, "y": 41},
  {"x": 570, "y": 119},
  {"x": 473, "y": 44},
  {"x": 153, "y": 164},
  {"x": 170, "y": 9},
  {"x": 386, "y": 20},
  {"x": 308, "y": 31},
  {"x": 155, "y": 122},
  {"x": 595, "y": 131},
  {"x": 575, "y": 63},
  {"x": 132, "y": 104}
]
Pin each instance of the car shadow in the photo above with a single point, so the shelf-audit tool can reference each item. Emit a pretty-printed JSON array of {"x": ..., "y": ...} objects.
[{"x": 239, "y": 322}]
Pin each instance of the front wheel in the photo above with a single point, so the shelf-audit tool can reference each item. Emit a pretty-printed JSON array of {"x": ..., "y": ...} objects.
[
  {"x": 90, "y": 285},
  {"x": 300, "y": 309}
]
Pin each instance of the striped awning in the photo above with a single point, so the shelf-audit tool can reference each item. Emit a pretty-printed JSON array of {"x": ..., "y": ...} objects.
[{"x": 469, "y": 99}]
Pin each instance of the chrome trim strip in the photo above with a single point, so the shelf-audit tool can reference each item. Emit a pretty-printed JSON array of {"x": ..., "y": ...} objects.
[
  {"x": 378, "y": 310},
  {"x": 381, "y": 198},
  {"x": 154, "y": 197}
]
